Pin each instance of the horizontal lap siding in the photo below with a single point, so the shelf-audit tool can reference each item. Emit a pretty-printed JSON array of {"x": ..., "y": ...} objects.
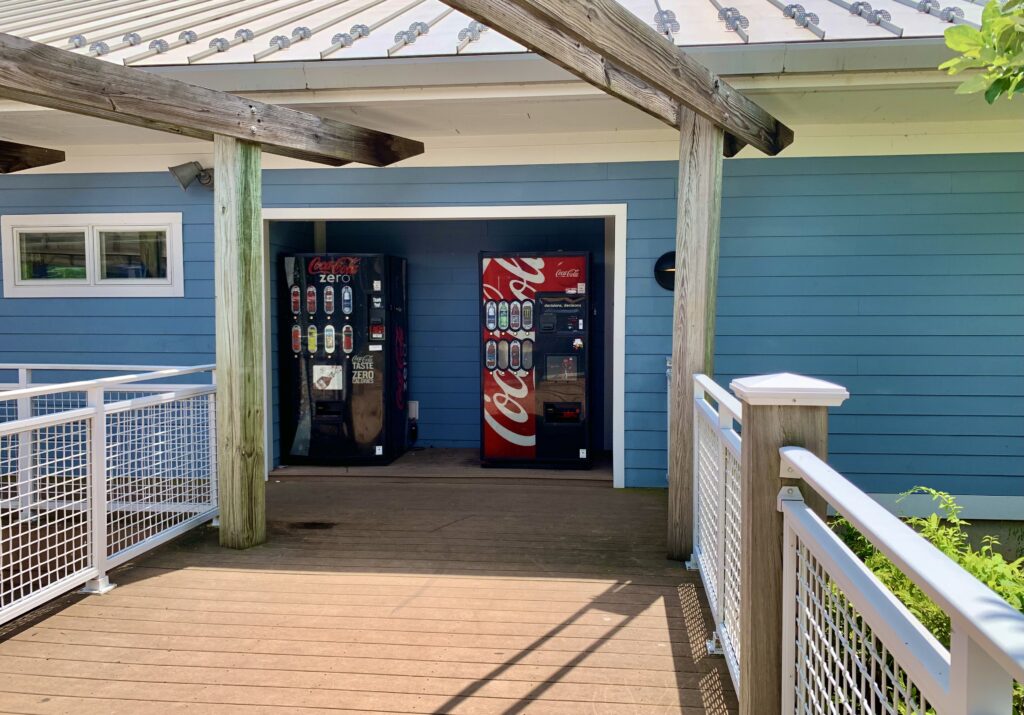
[
  {"x": 901, "y": 278},
  {"x": 154, "y": 331}
]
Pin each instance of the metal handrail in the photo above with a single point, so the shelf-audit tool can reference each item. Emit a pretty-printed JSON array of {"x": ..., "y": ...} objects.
[
  {"x": 991, "y": 622},
  {"x": 83, "y": 385}
]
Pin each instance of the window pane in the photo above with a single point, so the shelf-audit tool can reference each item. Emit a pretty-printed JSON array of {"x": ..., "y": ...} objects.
[
  {"x": 52, "y": 255},
  {"x": 133, "y": 254}
]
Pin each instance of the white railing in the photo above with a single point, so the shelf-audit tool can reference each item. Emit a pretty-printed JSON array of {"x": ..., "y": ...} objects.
[
  {"x": 850, "y": 646},
  {"x": 716, "y": 512},
  {"x": 95, "y": 472}
]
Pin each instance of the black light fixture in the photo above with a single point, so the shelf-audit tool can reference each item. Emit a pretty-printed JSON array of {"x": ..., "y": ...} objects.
[
  {"x": 665, "y": 270},
  {"x": 192, "y": 171}
]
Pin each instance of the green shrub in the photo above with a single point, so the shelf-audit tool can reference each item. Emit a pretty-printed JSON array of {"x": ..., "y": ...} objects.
[{"x": 945, "y": 530}]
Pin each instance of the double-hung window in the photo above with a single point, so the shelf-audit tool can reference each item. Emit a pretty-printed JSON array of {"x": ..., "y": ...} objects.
[{"x": 92, "y": 255}]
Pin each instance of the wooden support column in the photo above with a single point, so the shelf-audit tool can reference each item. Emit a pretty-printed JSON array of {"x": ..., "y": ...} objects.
[
  {"x": 778, "y": 411},
  {"x": 693, "y": 326},
  {"x": 238, "y": 248}
]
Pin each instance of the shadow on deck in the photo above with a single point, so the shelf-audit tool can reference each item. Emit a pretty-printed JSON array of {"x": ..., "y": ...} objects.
[{"x": 399, "y": 596}]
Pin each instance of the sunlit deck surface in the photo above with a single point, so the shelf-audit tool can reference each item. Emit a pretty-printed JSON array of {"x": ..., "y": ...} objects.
[{"x": 398, "y": 595}]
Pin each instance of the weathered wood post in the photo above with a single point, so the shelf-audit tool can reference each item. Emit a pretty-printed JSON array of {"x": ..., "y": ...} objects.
[
  {"x": 778, "y": 411},
  {"x": 693, "y": 325},
  {"x": 238, "y": 248}
]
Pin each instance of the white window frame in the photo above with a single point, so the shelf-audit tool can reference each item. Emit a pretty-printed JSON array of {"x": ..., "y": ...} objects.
[{"x": 94, "y": 286}]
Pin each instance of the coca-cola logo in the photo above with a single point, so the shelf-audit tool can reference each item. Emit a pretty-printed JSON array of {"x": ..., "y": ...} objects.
[
  {"x": 567, "y": 273},
  {"x": 344, "y": 266}
]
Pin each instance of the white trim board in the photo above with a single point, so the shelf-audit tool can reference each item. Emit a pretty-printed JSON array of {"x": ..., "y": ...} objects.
[
  {"x": 975, "y": 506},
  {"x": 615, "y": 218}
]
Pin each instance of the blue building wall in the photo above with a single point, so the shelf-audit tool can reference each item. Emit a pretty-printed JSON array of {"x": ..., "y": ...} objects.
[{"x": 899, "y": 277}]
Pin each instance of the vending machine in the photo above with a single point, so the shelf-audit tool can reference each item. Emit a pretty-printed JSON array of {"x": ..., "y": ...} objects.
[
  {"x": 343, "y": 359},
  {"x": 535, "y": 355}
]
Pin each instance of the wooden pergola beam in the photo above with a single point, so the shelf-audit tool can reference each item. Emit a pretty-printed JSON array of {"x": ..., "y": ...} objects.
[
  {"x": 605, "y": 44},
  {"x": 18, "y": 157},
  {"x": 49, "y": 77}
]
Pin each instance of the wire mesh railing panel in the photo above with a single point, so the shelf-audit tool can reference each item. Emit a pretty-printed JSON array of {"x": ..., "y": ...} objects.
[
  {"x": 708, "y": 463},
  {"x": 8, "y": 410},
  {"x": 842, "y": 666},
  {"x": 731, "y": 571},
  {"x": 160, "y": 469},
  {"x": 56, "y": 402},
  {"x": 45, "y": 509}
]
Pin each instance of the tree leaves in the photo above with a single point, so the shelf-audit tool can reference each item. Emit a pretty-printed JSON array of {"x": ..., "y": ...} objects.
[{"x": 997, "y": 49}]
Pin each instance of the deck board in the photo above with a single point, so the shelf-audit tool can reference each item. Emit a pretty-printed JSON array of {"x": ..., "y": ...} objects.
[{"x": 412, "y": 596}]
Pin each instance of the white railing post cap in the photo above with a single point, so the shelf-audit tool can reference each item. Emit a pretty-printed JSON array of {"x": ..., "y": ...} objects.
[{"x": 785, "y": 388}]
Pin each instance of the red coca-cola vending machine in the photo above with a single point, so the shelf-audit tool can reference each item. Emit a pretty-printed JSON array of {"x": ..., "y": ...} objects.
[{"x": 535, "y": 350}]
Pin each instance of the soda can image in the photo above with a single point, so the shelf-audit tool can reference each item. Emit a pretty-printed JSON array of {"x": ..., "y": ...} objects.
[
  {"x": 503, "y": 315},
  {"x": 526, "y": 361},
  {"x": 346, "y": 300},
  {"x": 329, "y": 300},
  {"x": 503, "y": 355},
  {"x": 491, "y": 315},
  {"x": 296, "y": 300},
  {"x": 527, "y": 315},
  {"x": 491, "y": 355},
  {"x": 329, "y": 340},
  {"x": 311, "y": 300},
  {"x": 515, "y": 353},
  {"x": 311, "y": 338},
  {"x": 296, "y": 339},
  {"x": 515, "y": 315},
  {"x": 348, "y": 342}
]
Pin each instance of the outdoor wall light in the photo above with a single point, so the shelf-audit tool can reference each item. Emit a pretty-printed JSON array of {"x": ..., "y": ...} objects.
[
  {"x": 665, "y": 270},
  {"x": 192, "y": 171}
]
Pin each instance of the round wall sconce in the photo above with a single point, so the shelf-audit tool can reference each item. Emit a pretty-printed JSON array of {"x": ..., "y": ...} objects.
[{"x": 665, "y": 270}]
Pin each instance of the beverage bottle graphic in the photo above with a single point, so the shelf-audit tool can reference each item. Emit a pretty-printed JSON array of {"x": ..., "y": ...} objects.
[
  {"x": 491, "y": 312},
  {"x": 311, "y": 336},
  {"x": 503, "y": 355},
  {"x": 527, "y": 315},
  {"x": 526, "y": 361},
  {"x": 329, "y": 340},
  {"x": 347, "y": 340},
  {"x": 491, "y": 355},
  {"x": 515, "y": 352},
  {"x": 515, "y": 315},
  {"x": 296, "y": 300},
  {"x": 296, "y": 339},
  {"x": 346, "y": 300},
  {"x": 503, "y": 315},
  {"x": 311, "y": 300},
  {"x": 329, "y": 300}
]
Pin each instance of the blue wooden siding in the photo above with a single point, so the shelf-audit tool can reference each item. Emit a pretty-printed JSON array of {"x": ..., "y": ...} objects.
[{"x": 900, "y": 277}]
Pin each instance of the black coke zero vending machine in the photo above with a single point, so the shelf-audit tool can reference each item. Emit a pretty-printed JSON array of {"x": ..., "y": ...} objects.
[{"x": 343, "y": 359}]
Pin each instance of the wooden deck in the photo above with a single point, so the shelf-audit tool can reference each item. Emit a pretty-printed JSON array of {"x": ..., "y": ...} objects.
[{"x": 406, "y": 596}]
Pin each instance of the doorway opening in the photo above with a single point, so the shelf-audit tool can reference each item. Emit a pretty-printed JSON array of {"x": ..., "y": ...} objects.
[{"x": 444, "y": 332}]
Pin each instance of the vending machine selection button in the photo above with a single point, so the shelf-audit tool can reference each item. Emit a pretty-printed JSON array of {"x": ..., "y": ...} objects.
[{"x": 377, "y": 331}]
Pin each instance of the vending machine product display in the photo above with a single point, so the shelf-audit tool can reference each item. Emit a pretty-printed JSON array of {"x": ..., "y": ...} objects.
[
  {"x": 343, "y": 361},
  {"x": 535, "y": 347}
]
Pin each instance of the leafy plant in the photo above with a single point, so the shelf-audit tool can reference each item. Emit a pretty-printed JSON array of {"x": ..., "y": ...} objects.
[
  {"x": 997, "y": 49},
  {"x": 945, "y": 531}
]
